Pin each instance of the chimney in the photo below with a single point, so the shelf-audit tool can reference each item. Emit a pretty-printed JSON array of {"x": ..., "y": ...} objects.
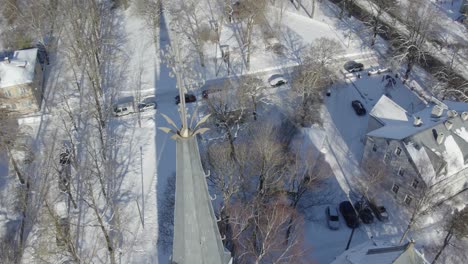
[
  {"x": 437, "y": 111},
  {"x": 440, "y": 138},
  {"x": 6, "y": 60},
  {"x": 417, "y": 121},
  {"x": 464, "y": 116},
  {"x": 452, "y": 113},
  {"x": 448, "y": 125}
]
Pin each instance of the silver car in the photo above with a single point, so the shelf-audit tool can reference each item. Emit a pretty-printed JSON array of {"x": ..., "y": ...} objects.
[{"x": 333, "y": 220}]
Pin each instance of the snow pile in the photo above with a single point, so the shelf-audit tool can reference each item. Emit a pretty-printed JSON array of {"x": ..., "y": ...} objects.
[
  {"x": 453, "y": 156},
  {"x": 461, "y": 132}
]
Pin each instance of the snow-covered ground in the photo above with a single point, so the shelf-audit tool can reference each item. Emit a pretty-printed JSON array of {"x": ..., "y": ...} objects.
[{"x": 147, "y": 155}]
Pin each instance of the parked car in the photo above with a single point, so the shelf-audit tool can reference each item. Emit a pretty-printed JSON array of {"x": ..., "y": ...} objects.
[
  {"x": 352, "y": 66},
  {"x": 189, "y": 98},
  {"x": 147, "y": 103},
  {"x": 350, "y": 216},
  {"x": 124, "y": 106},
  {"x": 277, "y": 80},
  {"x": 333, "y": 220},
  {"x": 364, "y": 212},
  {"x": 379, "y": 211},
  {"x": 358, "y": 107}
]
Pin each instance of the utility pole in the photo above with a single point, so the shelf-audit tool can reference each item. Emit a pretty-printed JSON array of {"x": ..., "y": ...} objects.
[{"x": 350, "y": 238}]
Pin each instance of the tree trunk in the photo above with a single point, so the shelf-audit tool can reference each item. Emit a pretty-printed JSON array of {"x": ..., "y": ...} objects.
[
  {"x": 447, "y": 239},
  {"x": 312, "y": 11}
]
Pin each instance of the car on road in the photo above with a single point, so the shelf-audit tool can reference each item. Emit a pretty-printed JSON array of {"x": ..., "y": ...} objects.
[
  {"x": 379, "y": 211},
  {"x": 277, "y": 80},
  {"x": 364, "y": 212},
  {"x": 349, "y": 214},
  {"x": 352, "y": 66},
  {"x": 189, "y": 98},
  {"x": 333, "y": 219},
  {"x": 358, "y": 107},
  {"x": 147, "y": 103}
]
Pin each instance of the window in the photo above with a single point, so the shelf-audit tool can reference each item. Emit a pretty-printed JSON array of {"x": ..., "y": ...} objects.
[
  {"x": 415, "y": 184},
  {"x": 7, "y": 93},
  {"x": 408, "y": 199},
  {"x": 374, "y": 148},
  {"x": 13, "y": 106},
  {"x": 395, "y": 188},
  {"x": 22, "y": 90},
  {"x": 387, "y": 157},
  {"x": 401, "y": 172},
  {"x": 398, "y": 151}
]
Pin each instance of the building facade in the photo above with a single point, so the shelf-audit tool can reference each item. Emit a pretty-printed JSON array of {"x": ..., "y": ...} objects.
[
  {"x": 426, "y": 149},
  {"x": 21, "y": 81}
]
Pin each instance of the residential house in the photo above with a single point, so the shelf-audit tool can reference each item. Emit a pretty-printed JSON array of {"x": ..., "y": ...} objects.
[
  {"x": 381, "y": 253},
  {"x": 21, "y": 81},
  {"x": 420, "y": 150}
]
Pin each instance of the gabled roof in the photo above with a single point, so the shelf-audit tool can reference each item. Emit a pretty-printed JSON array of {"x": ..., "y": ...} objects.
[
  {"x": 18, "y": 68},
  {"x": 439, "y": 146},
  {"x": 387, "y": 111}
]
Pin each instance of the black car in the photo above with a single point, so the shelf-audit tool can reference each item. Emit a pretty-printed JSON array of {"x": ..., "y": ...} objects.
[
  {"x": 189, "y": 98},
  {"x": 364, "y": 212},
  {"x": 358, "y": 107},
  {"x": 379, "y": 211},
  {"x": 352, "y": 66},
  {"x": 350, "y": 216}
]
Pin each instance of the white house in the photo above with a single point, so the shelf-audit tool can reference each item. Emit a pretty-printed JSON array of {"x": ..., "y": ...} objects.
[
  {"x": 21, "y": 81},
  {"x": 424, "y": 149}
]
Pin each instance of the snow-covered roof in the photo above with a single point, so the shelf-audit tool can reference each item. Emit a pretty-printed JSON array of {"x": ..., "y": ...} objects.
[
  {"x": 422, "y": 161},
  {"x": 18, "y": 68},
  {"x": 381, "y": 253},
  {"x": 438, "y": 147},
  {"x": 387, "y": 110}
]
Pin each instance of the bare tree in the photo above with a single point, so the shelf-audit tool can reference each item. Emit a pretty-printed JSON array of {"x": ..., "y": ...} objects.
[
  {"x": 250, "y": 12},
  {"x": 421, "y": 205},
  {"x": 188, "y": 18},
  {"x": 308, "y": 84},
  {"x": 260, "y": 233},
  {"x": 374, "y": 174},
  {"x": 250, "y": 90},
  {"x": 457, "y": 225},
  {"x": 448, "y": 84},
  {"x": 226, "y": 113},
  {"x": 410, "y": 47},
  {"x": 374, "y": 21},
  {"x": 150, "y": 10},
  {"x": 323, "y": 51}
]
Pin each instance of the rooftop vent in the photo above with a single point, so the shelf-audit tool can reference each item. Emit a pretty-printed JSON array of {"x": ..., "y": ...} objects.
[
  {"x": 440, "y": 138},
  {"x": 452, "y": 113},
  {"x": 448, "y": 125},
  {"x": 464, "y": 116},
  {"x": 417, "y": 121},
  {"x": 437, "y": 111}
]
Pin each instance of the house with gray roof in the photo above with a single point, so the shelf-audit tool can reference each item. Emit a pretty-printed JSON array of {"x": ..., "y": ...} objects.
[
  {"x": 420, "y": 150},
  {"x": 381, "y": 253}
]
